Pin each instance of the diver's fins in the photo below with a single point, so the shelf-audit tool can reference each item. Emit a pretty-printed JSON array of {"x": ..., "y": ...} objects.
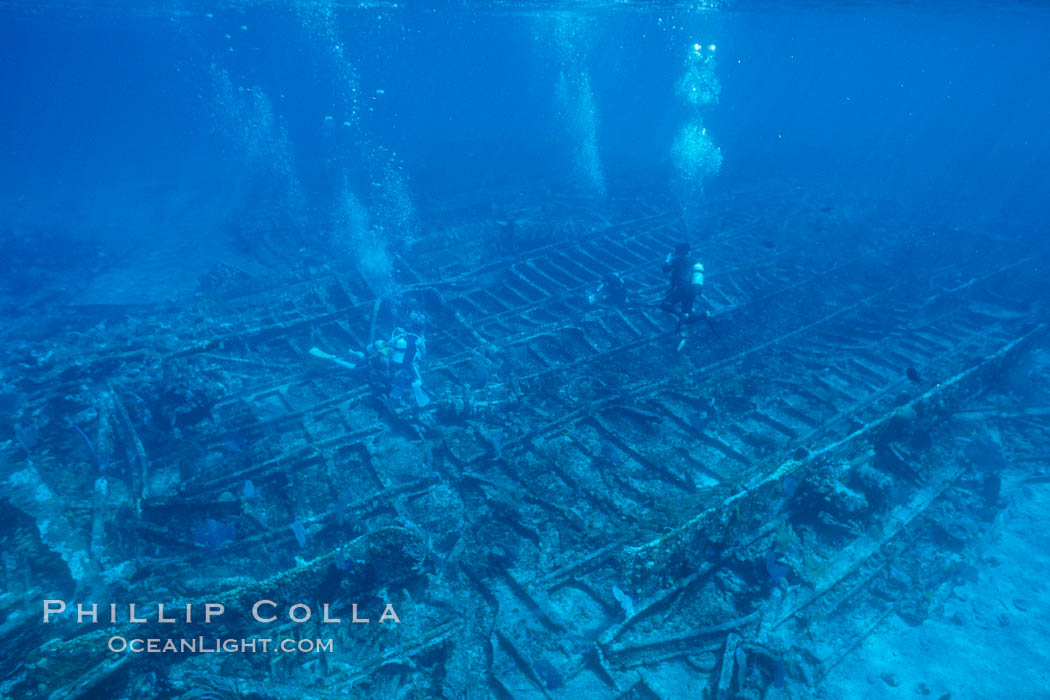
[
  {"x": 421, "y": 396},
  {"x": 331, "y": 358}
]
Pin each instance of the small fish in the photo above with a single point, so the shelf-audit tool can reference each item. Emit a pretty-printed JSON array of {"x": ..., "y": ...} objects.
[
  {"x": 548, "y": 673},
  {"x": 912, "y": 374},
  {"x": 249, "y": 489},
  {"x": 985, "y": 454},
  {"x": 300, "y": 533},
  {"x": 769, "y": 244},
  {"x": 774, "y": 568},
  {"x": 215, "y": 533},
  {"x": 236, "y": 441},
  {"x": 91, "y": 448},
  {"x": 495, "y": 442},
  {"x": 624, "y": 600},
  {"x": 343, "y": 502},
  {"x": 504, "y": 556},
  {"x": 780, "y": 674},
  {"x": 341, "y": 563}
]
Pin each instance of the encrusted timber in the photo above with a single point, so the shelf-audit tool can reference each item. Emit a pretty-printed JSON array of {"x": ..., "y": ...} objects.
[
  {"x": 136, "y": 453},
  {"x": 758, "y": 501},
  {"x": 316, "y": 450},
  {"x": 246, "y": 688},
  {"x": 27, "y": 490},
  {"x": 725, "y": 674},
  {"x": 830, "y": 662},
  {"x": 502, "y": 643},
  {"x": 859, "y": 562},
  {"x": 263, "y": 328},
  {"x": 681, "y": 643},
  {"x": 281, "y": 534},
  {"x": 403, "y": 654},
  {"x": 394, "y": 553},
  {"x": 360, "y": 509}
]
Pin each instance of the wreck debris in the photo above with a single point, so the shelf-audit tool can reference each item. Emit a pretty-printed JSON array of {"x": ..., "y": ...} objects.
[{"x": 582, "y": 508}]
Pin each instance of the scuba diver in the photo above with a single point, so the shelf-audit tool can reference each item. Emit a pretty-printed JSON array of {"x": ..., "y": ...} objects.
[
  {"x": 611, "y": 291},
  {"x": 393, "y": 366},
  {"x": 376, "y": 358},
  {"x": 677, "y": 264},
  {"x": 408, "y": 350},
  {"x": 687, "y": 283},
  {"x": 694, "y": 289}
]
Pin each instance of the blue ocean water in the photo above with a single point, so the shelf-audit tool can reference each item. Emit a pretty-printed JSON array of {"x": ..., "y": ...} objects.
[
  {"x": 814, "y": 478},
  {"x": 115, "y": 110}
]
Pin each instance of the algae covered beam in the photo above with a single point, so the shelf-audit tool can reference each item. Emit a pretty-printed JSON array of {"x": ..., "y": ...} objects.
[{"x": 966, "y": 380}]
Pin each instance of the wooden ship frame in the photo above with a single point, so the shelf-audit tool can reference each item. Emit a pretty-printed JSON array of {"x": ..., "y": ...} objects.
[{"x": 583, "y": 509}]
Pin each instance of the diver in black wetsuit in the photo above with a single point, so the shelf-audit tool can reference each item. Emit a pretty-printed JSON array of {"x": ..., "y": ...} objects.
[
  {"x": 695, "y": 289},
  {"x": 687, "y": 283},
  {"x": 611, "y": 291},
  {"x": 678, "y": 266}
]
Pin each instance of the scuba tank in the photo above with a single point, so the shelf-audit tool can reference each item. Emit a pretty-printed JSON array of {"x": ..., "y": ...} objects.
[
  {"x": 400, "y": 348},
  {"x": 698, "y": 274}
]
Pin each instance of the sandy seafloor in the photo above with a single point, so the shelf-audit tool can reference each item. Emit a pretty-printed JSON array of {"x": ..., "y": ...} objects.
[{"x": 988, "y": 639}]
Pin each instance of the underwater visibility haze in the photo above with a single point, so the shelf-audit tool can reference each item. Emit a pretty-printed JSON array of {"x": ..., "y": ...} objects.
[{"x": 524, "y": 349}]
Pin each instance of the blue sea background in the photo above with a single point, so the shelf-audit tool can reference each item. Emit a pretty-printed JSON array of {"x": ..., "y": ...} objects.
[
  {"x": 148, "y": 128},
  {"x": 148, "y": 150}
]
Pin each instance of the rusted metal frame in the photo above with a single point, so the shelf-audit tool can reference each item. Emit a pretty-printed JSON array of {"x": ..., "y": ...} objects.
[
  {"x": 668, "y": 475},
  {"x": 791, "y": 466},
  {"x": 886, "y": 390},
  {"x": 523, "y": 665},
  {"x": 827, "y": 666},
  {"x": 703, "y": 370},
  {"x": 751, "y": 349},
  {"x": 362, "y": 508},
  {"x": 83, "y": 671},
  {"x": 431, "y": 637},
  {"x": 623, "y": 478},
  {"x": 225, "y": 480},
  {"x": 725, "y": 674},
  {"x": 688, "y": 638},
  {"x": 856, "y": 555},
  {"x": 564, "y": 572},
  {"x": 654, "y": 658}
]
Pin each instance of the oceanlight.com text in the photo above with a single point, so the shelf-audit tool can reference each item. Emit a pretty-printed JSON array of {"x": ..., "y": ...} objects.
[{"x": 214, "y": 645}]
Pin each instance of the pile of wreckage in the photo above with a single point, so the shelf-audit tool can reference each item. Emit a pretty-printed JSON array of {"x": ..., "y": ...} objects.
[{"x": 583, "y": 509}]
